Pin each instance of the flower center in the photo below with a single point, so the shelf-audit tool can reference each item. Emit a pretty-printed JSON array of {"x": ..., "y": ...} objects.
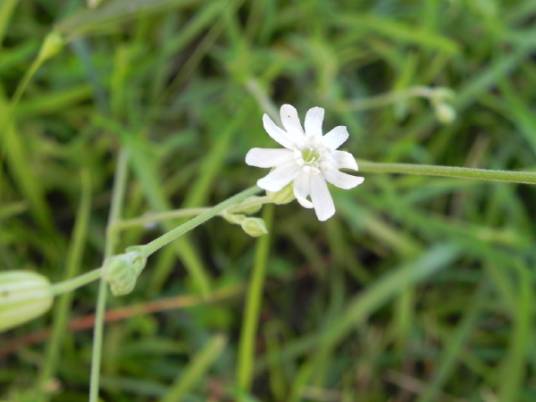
[{"x": 310, "y": 155}]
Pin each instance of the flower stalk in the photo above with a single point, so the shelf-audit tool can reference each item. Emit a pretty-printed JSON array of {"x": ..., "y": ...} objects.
[
  {"x": 70, "y": 285},
  {"x": 121, "y": 271},
  {"x": 506, "y": 176},
  {"x": 179, "y": 231},
  {"x": 118, "y": 196}
]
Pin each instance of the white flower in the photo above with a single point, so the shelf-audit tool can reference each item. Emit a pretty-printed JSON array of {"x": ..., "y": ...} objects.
[{"x": 308, "y": 159}]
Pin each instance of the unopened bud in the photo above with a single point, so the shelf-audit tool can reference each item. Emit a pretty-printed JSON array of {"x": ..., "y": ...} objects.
[
  {"x": 93, "y": 3},
  {"x": 250, "y": 206},
  {"x": 254, "y": 227},
  {"x": 442, "y": 94},
  {"x": 122, "y": 271},
  {"x": 445, "y": 113},
  {"x": 24, "y": 295},
  {"x": 283, "y": 196},
  {"x": 51, "y": 46},
  {"x": 235, "y": 219}
]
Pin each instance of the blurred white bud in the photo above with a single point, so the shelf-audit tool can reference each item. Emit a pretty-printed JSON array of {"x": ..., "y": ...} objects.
[
  {"x": 93, "y": 3},
  {"x": 442, "y": 94},
  {"x": 24, "y": 295},
  {"x": 52, "y": 45},
  {"x": 444, "y": 112}
]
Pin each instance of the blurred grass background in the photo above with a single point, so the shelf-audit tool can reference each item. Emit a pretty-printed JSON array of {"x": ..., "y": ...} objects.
[{"x": 420, "y": 289}]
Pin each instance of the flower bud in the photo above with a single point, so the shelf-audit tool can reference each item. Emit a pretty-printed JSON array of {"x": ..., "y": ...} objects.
[
  {"x": 445, "y": 113},
  {"x": 283, "y": 196},
  {"x": 51, "y": 46},
  {"x": 93, "y": 3},
  {"x": 254, "y": 227},
  {"x": 122, "y": 271},
  {"x": 442, "y": 94},
  {"x": 235, "y": 219},
  {"x": 250, "y": 206},
  {"x": 24, "y": 295}
]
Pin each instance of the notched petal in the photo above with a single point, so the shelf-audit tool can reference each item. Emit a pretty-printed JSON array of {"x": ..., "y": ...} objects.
[
  {"x": 277, "y": 134},
  {"x": 342, "y": 180},
  {"x": 267, "y": 157},
  {"x": 335, "y": 137},
  {"x": 322, "y": 201},
  {"x": 291, "y": 121},
  {"x": 313, "y": 121},
  {"x": 302, "y": 190},
  {"x": 345, "y": 160},
  {"x": 279, "y": 177}
]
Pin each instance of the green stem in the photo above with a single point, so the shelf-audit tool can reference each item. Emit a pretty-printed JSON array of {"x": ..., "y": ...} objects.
[
  {"x": 253, "y": 202},
  {"x": 246, "y": 354},
  {"x": 196, "y": 371},
  {"x": 393, "y": 97},
  {"x": 115, "y": 212},
  {"x": 63, "y": 308},
  {"x": 262, "y": 98},
  {"x": 520, "y": 177},
  {"x": 179, "y": 231},
  {"x": 51, "y": 45},
  {"x": 155, "y": 217},
  {"x": 76, "y": 282},
  {"x": 203, "y": 214},
  {"x": 25, "y": 81}
]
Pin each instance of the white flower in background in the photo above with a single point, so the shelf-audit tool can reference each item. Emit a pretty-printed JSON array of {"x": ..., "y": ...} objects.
[{"x": 308, "y": 159}]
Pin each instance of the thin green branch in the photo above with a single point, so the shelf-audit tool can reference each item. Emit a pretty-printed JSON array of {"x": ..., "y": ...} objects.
[
  {"x": 246, "y": 354},
  {"x": 155, "y": 217},
  {"x": 72, "y": 284},
  {"x": 115, "y": 212},
  {"x": 152, "y": 218},
  {"x": 52, "y": 44},
  {"x": 63, "y": 308},
  {"x": 395, "y": 97},
  {"x": 174, "y": 234},
  {"x": 203, "y": 214},
  {"x": 506, "y": 176}
]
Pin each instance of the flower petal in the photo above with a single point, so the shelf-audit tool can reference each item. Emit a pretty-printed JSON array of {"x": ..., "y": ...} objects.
[
  {"x": 313, "y": 121},
  {"x": 322, "y": 201},
  {"x": 291, "y": 122},
  {"x": 342, "y": 180},
  {"x": 335, "y": 137},
  {"x": 279, "y": 177},
  {"x": 267, "y": 157},
  {"x": 277, "y": 134},
  {"x": 302, "y": 189},
  {"x": 345, "y": 160}
]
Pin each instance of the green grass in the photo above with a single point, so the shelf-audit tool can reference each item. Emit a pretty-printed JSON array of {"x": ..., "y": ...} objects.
[{"x": 421, "y": 287}]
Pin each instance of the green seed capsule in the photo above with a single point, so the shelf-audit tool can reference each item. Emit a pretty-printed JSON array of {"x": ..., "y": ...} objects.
[
  {"x": 122, "y": 271},
  {"x": 24, "y": 295}
]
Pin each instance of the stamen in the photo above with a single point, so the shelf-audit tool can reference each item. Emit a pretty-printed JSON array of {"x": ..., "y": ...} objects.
[{"x": 310, "y": 155}]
